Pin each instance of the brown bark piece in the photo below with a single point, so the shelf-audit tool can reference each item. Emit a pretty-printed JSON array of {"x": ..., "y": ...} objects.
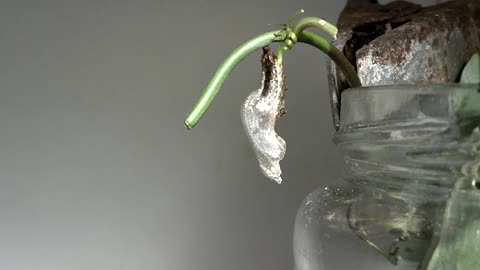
[{"x": 404, "y": 43}]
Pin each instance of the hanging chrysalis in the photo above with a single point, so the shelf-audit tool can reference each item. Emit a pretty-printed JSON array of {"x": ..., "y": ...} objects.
[{"x": 259, "y": 113}]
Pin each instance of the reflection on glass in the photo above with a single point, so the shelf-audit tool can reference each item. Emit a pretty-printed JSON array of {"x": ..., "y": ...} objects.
[{"x": 410, "y": 192}]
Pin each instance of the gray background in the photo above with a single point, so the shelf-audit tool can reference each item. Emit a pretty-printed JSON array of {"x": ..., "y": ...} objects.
[{"x": 96, "y": 168}]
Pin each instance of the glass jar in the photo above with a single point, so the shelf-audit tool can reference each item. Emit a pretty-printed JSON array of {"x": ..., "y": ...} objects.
[{"x": 409, "y": 197}]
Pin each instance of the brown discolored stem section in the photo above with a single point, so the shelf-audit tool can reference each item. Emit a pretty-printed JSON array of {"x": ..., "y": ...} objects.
[
  {"x": 268, "y": 61},
  {"x": 273, "y": 82}
]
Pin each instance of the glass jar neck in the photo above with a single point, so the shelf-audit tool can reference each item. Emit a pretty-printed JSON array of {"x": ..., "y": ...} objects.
[{"x": 391, "y": 136}]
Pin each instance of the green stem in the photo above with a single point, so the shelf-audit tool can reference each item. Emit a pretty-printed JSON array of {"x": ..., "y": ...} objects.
[
  {"x": 316, "y": 22},
  {"x": 289, "y": 37},
  {"x": 325, "y": 46},
  {"x": 332, "y": 52},
  {"x": 224, "y": 70}
]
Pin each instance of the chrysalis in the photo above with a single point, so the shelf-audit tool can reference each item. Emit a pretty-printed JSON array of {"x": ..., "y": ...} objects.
[{"x": 260, "y": 112}]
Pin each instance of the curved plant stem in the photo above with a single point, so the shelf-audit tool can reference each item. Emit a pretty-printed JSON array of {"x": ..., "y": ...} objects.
[
  {"x": 316, "y": 22},
  {"x": 332, "y": 52},
  {"x": 289, "y": 37},
  {"x": 224, "y": 70},
  {"x": 322, "y": 44}
]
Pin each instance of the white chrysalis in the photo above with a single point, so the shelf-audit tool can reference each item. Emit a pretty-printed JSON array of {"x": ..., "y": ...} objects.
[{"x": 259, "y": 114}]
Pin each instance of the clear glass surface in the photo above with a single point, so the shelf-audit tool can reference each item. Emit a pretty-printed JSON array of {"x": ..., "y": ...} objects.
[{"x": 409, "y": 197}]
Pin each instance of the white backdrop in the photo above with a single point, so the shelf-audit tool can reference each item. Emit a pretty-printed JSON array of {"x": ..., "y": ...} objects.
[{"x": 96, "y": 168}]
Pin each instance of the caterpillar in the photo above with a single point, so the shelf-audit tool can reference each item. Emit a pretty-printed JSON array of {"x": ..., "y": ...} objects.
[{"x": 259, "y": 113}]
